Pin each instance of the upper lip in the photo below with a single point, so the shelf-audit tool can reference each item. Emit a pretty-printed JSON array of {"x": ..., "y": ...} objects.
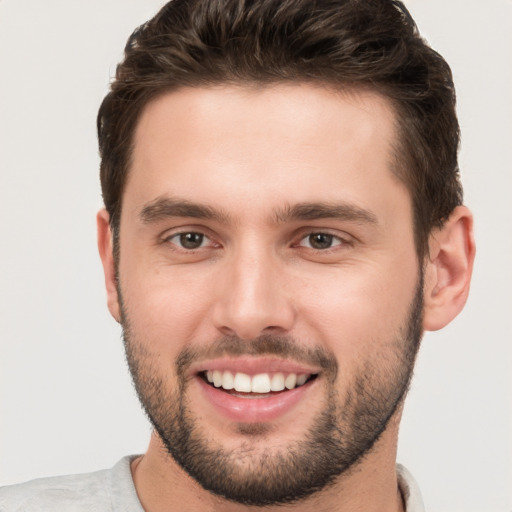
[{"x": 253, "y": 365}]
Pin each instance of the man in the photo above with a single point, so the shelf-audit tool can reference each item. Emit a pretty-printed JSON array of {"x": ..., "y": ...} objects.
[{"x": 283, "y": 219}]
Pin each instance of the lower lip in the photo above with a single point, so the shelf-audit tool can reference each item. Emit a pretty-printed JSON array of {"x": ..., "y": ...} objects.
[{"x": 254, "y": 410}]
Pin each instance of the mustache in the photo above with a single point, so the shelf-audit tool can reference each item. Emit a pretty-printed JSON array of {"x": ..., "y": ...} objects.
[{"x": 285, "y": 347}]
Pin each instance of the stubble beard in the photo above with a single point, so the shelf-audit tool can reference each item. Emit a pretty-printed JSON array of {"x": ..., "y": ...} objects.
[{"x": 339, "y": 437}]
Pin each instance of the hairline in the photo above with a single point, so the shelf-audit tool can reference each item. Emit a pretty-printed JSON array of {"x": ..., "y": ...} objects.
[{"x": 400, "y": 157}]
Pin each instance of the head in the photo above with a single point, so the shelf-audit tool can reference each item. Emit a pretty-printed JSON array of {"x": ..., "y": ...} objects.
[{"x": 282, "y": 218}]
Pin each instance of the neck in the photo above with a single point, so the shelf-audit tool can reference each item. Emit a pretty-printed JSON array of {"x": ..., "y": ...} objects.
[{"x": 370, "y": 485}]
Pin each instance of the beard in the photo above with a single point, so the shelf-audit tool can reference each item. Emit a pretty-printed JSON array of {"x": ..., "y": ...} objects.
[{"x": 340, "y": 436}]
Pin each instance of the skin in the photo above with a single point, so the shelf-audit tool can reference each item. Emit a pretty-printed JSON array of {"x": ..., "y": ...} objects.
[{"x": 251, "y": 153}]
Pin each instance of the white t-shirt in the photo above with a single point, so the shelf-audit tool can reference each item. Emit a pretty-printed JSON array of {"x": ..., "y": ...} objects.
[{"x": 112, "y": 490}]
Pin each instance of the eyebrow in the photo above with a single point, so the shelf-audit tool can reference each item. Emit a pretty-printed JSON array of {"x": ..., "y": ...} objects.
[
  {"x": 168, "y": 207},
  {"x": 321, "y": 210}
]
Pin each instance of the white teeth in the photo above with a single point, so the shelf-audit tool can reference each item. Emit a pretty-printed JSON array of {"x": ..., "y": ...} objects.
[
  {"x": 290, "y": 381},
  {"x": 228, "y": 381},
  {"x": 260, "y": 383},
  {"x": 217, "y": 378},
  {"x": 243, "y": 383},
  {"x": 301, "y": 379},
  {"x": 277, "y": 382}
]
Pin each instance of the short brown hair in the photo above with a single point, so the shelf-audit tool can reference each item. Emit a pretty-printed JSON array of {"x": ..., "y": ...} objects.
[{"x": 372, "y": 44}]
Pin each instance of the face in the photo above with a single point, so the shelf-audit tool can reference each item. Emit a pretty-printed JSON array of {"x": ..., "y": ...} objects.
[{"x": 269, "y": 287}]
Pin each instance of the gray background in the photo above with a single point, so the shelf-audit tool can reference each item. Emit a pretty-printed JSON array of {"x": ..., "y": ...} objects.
[{"x": 66, "y": 402}]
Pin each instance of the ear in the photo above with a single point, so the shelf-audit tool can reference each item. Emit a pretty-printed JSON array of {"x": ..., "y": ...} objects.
[
  {"x": 448, "y": 269},
  {"x": 106, "y": 249}
]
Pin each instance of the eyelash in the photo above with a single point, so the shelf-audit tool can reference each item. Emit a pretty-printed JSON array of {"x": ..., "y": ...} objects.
[
  {"x": 181, "y": 234},
  {"x": 334, "y": 240},
  {"x": 339, "y": 241}
]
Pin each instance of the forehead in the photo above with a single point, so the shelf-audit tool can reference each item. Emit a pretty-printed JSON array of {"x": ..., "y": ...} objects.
[{"x": 233, "y": 145}]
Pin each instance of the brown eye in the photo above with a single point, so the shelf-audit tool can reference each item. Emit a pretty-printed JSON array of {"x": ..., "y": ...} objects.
[
  {"x": 189, "y": 240},
  {"x": 320, "y": 240}
]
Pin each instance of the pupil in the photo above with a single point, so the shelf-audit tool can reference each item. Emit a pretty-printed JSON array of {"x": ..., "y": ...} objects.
[
  {"x": 320, "y": 241},
  {"x": 191, "y": 240}
]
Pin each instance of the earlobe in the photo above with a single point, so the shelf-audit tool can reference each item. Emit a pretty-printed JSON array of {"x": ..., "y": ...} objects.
[
  {"x": 106, "y": 250},
  {"x": 448, "y": 269}
]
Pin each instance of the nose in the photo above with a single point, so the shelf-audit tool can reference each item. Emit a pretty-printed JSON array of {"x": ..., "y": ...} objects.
[{"x": 253, "y": 296}]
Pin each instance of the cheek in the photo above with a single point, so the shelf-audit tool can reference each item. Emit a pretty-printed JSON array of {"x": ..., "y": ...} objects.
[
  {"x": 165, "y": 307},
  {"x": 356, "y": 311}
]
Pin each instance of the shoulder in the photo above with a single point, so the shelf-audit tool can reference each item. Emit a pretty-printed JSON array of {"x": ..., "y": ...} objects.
[
  {"x": 410, "y": 491},
  {"x": 71, "y": 493}
]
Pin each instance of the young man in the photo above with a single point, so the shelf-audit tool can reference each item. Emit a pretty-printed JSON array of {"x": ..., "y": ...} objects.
[{"x": 283, "y": 219}]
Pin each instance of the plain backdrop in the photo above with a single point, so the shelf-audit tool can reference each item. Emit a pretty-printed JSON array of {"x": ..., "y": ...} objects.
[{"x": 66, "y": 400}]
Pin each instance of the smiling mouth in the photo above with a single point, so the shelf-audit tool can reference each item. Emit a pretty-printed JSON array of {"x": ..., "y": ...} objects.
[{"x": 260, "y": 385}]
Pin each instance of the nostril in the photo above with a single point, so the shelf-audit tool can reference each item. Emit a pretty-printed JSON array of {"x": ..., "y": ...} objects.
[{"x": 227, "y": 331}]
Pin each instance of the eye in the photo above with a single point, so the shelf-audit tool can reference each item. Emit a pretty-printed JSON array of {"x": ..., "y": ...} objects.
[
  {"x": 189, "y": 240},
  {"x": 320, "y": 241}
]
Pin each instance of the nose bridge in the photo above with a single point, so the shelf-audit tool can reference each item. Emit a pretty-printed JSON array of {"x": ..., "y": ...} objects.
[{"x": 253, "y": 298}]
